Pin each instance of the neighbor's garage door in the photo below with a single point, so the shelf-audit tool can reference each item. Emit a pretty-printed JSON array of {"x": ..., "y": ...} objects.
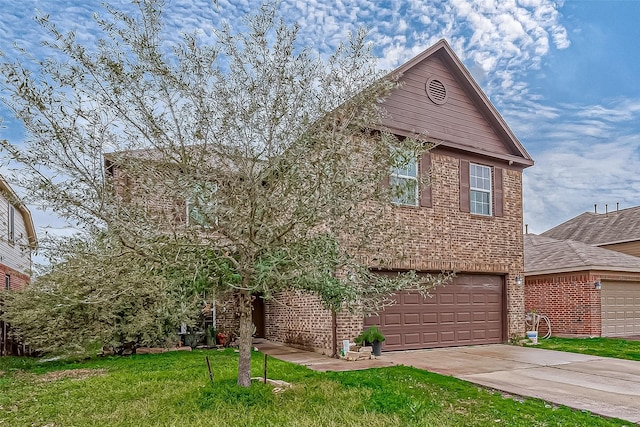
[
  {"x": 620, "y": 309},
  {"x": 466, "y": 312}
]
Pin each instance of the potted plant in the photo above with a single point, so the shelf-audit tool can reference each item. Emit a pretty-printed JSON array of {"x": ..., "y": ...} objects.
[
  {"x": 210, "y": 337},
  {"x": 373, "y": 337}
]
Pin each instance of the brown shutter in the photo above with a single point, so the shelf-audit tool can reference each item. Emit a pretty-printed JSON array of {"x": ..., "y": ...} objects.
[
  {"x": 464, "y": 186},
  {"x": 498, "y": 209},
  {"x": 425, "y": 169}
]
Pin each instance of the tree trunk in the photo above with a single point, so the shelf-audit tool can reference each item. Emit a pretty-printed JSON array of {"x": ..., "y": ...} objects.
[{"x": 245, "y": 339}]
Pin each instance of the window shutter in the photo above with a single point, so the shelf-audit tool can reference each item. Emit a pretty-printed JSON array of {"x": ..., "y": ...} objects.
[
  {"x": 464, "y": 186},
  {"x": 498, "y": 209},
  {"x": 425, "y": 169}
]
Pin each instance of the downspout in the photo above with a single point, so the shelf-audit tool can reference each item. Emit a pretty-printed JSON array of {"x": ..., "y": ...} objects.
[{"x": 334, "y": 334}]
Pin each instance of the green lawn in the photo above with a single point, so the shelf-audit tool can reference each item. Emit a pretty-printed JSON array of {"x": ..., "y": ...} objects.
[
  {"x": 609, "y": 347},
  {"x": 173, "y": 389}
]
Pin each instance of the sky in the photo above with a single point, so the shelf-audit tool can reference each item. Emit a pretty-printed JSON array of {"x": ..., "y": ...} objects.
[{"x": 563, "y": 74}]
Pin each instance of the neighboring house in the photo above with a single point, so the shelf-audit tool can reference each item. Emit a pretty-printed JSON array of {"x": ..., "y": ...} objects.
[
  {"x": 618, "y": 230},
  {"x": 469, "y": 221},
  {"x": 583, "y": 289},
  {"x": 17, "y": 239},
  {"x": 585, "y": 274}
]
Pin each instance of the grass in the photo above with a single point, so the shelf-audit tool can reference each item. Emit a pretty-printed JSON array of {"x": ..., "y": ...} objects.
[
  {"x": 607, "y": 347},
  {"x": 173, "y": 389}
]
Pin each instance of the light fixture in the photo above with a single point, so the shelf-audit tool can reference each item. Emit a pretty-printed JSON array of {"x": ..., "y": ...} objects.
[
  {"x": 597, "y": 285},
  {"x": 519, "y": 280}
]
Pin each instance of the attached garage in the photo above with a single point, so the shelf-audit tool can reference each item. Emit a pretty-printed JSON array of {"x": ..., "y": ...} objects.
[
  {"x": 620, "y": 309},
  {"x": 468, "y": 311}
]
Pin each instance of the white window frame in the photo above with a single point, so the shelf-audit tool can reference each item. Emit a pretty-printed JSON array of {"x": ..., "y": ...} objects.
[
  {"x": 474, "y": 179},
  {"x": 403, "y": 174},
  {"x": 7, "y": 282},
  {"x": 11, "y": 225}
]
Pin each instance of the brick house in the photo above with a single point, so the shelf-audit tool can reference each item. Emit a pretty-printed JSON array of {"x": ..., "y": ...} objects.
[
  {"x": 585, "y": 274},
  {"x": 17, "y": 241},
  {"x": 469, "y": 221}
]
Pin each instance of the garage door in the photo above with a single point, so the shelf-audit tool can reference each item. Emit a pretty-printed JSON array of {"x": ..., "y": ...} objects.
[
  {"x": 620, "y": 309},
  {"x": 466, "y": 312}
]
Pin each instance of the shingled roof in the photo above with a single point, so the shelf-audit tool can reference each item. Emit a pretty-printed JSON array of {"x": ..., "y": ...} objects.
[
  {"x": 600, "y": 228},
  {"x": 544, "y": 255}
]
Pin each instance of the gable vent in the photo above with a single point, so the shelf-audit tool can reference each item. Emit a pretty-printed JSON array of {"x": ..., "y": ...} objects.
[{"x": 436, "y": 91}]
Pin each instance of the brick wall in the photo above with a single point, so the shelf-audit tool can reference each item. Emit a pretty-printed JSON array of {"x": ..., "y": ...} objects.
[
  {"x": 428, "y": 239},
  {"x": 569, "y": 300},
  {"x": 442, "y": 237},
  {"x": 17, "y": 280}
]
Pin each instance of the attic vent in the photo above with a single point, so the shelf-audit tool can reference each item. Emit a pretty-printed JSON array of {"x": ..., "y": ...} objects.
[{"x": 436, "y": 91}]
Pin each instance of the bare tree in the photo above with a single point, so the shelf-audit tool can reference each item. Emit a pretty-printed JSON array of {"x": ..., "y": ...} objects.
[{"x": 254, "y": 154}]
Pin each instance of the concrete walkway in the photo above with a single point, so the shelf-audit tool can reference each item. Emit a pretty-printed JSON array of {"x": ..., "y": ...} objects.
[{"x": 602, "y": 385}]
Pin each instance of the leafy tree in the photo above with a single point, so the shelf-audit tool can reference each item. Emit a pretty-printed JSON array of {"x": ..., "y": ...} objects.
[{"x": 254, "y": 156}]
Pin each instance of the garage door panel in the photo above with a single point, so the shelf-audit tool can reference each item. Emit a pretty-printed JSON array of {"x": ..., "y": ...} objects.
[
  {"x": 468, "y": 311},
  {"x": 412, "y": 319},
  {"x": 447, "y": 298},
  {"x": 620, "y": 302}
]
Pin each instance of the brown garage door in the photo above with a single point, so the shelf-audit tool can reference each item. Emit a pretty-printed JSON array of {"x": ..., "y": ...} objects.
[
  {"x": 466, "y": 312},
  {"x": 620, "y": 309}
]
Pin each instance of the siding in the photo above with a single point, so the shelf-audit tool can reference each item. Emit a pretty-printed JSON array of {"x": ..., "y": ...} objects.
[
  {"x": 15, "y": 256},
  {"x": 458, "y": 120},
  {"x": 629, "y": 248}
]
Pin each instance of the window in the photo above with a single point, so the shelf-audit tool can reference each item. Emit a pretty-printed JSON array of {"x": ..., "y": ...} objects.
[
  {"x": 404, "y": 178},
  {"x": 7, "y": 281},
  {"x": 480, "y": 189},
  {"x": 201, "y": 206},
  {"x": 11, "y": 224}
]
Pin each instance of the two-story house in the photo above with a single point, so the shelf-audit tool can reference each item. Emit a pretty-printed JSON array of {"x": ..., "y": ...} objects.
[
  {"x": 469, "y": 220},
  {"x": 17, "y": 241}
]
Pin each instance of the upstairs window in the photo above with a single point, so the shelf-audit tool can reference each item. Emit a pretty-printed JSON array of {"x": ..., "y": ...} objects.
[
  {"x": 403, "y": 179},
  {"x": 202, "y": 207},
  {"x": 480, "y": 189},
  {"x": 11, "y": 230}
]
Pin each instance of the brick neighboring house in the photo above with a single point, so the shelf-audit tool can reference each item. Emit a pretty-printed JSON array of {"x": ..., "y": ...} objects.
[
  {"x": 469, "y": 220},
  {"x": 585, "y": 274},
  {"x": 17, "y": 241},
  {"x": 585, "y": 290}
]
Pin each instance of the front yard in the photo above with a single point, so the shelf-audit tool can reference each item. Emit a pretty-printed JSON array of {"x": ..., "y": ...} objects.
[
  {"x": 607, "y": 347},
  {"x": 174, "y": 389}
]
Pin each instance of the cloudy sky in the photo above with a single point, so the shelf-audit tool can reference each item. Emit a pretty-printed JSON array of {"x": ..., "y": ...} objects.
[{"x": 563, "y": 74}]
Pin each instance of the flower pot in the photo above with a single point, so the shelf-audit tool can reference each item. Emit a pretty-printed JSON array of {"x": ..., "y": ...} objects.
[{"x": 377, "y": 348}]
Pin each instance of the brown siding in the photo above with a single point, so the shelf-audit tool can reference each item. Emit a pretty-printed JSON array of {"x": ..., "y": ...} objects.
[
  {"x": 458, "y": 120},
  {"x": 497, "y": 192},
  {"x": 425, "y": 193},
  {"x": 464, "y": 186},
  {"x": 630, "y": 248}
]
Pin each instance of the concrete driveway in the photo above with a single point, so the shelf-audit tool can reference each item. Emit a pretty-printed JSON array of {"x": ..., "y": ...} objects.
[{"x": 602, "y": 385}]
